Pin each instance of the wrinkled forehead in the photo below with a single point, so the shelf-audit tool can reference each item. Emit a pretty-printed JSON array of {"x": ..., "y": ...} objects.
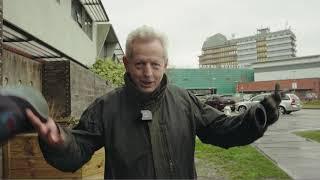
[
  {"x": 150, "y": 47},
  {"x": 146, "y": 40}
]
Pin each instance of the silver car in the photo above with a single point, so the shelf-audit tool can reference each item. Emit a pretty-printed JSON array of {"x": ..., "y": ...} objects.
[{"x": 289, "y": 103}]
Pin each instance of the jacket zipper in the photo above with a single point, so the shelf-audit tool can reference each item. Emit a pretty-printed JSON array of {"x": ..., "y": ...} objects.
[
  {"x": 166, "y": 145},
  {"x": 171, "y": 166}
]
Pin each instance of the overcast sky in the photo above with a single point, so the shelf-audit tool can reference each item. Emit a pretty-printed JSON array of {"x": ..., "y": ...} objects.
[{"x": 188, "y": 23}]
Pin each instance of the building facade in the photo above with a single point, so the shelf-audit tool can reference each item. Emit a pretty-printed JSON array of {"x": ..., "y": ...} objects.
[
  {"x": 50, "y": 45},
  {"x": 218, "y": 51},
  {"x": 300, "y": 75},
  {"x": 78, "y": 28}
]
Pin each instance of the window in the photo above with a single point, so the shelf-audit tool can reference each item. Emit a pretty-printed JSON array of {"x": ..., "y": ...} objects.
[
  {"x": 80, "y": 15},
  {"x": 258, "y": 98},
  {"x": 286, "y": 97},
  {"x": 76, "y": 11}
]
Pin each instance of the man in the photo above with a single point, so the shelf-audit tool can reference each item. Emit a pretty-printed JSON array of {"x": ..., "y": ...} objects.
[{"x": 148, "y": 127}]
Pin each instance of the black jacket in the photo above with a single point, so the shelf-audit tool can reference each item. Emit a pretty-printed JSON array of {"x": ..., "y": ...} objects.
[{"x": 160, "y": 148}]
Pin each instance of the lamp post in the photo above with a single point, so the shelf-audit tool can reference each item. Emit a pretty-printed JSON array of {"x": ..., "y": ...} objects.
[
  {"x": 212, "y": 83},
  {"x": 237, "y": 86},
  {"x": 241, "y": 89},
  {"x": 294, "y": 83}
]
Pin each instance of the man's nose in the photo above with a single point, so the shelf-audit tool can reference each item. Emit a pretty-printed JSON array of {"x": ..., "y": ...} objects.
[{"x": 147, "y": 70}]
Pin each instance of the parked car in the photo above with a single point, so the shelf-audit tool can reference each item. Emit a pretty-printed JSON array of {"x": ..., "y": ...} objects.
[
  {"x": 220, "y": 102},
  {"x": 289, "y": 103},
  {"x": 235, "y": 97}
]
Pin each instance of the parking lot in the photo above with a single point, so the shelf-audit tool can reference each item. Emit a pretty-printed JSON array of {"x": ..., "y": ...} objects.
[
  {"x": 297, "y": 156},
  {"x": 306, "y": 119}
]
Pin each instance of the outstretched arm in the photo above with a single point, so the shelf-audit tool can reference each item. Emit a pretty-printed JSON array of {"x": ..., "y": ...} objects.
[
  {"x": 66, "y": 149},
  {"x": 213, "y": 127}
]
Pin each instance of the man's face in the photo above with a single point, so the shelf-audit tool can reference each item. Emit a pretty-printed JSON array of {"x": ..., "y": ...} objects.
[{"x": 147, "y": 64}]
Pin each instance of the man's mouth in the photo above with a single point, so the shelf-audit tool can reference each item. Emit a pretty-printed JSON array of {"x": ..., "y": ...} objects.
[{"x": 146, "y": 84}]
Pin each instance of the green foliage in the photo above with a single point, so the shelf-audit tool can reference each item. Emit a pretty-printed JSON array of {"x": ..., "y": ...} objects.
[{"x": 110, "y": 71}]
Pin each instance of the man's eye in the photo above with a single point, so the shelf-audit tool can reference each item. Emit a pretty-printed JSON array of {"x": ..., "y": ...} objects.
[
  {"x": 155, "y": 65},
  {"x": 139, "y": 64}
]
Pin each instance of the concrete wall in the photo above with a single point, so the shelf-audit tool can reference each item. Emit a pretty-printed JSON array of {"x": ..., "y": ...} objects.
[
  {"x": 85, "y": 87},
  {"x": 52, "y": 23},
  {"x": 17, "y": 68}
]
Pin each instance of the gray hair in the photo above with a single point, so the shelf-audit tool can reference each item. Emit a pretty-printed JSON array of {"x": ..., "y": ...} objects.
[{"x": 146, "y": 33}]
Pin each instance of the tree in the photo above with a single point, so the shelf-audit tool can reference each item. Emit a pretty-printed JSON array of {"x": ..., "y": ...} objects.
[{"x": 109, "y": 70}]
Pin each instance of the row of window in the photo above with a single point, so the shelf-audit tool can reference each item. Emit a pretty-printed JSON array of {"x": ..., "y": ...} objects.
[
  {"x": 280, "y": 46},
  {"x": 280, "y": 57},
  {"x": 219, "y": 50},
  {"x": 221, "y": 60},
  {"x": 248, "y": 52},
  {"x": 80, "y": 15},
  {"x": 281, "y": 50},
  {"x": 261, "y": 44},
  {"x": 285, "y": 39},
  {"x": 262, "y": 59},
  {"x": 265, "y": 48},
  {"x": 220, "y": 55},
  {"x": 268, "y": 36},
  {"x": 203, "y": 58},
  {"x": 262, "y": 49},
  {"x": 283, "y": 36},
  {"x": 247, "y": 45},
  {"x": 248, "y": 55},
  {"x": 262, "y": 55}
]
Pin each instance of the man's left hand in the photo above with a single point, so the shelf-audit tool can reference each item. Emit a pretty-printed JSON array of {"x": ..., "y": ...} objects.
[{"x": 271, "y": 105}]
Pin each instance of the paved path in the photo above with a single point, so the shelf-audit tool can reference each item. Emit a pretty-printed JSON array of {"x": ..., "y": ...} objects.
[{"x": 298, "y": 157}]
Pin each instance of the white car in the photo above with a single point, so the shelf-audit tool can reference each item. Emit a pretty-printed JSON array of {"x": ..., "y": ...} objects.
[{"x": 289, "y": 103}]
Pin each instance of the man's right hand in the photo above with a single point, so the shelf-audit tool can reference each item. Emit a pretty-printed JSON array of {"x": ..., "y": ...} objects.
[
  {"x": 48, "y": 130},
  {"x": 271, "y": 105}
]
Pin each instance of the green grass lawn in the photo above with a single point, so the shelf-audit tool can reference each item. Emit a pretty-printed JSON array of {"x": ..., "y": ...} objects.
[
  {"x": 315, "y": 104},
  {"x": 240, "y": 162},
  {"x": 311, "y": 106},
  {"x": 314, "y": 135}
]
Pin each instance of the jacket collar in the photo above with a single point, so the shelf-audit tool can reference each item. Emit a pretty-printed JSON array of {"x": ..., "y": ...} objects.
[{"x": 146, "y": 101}]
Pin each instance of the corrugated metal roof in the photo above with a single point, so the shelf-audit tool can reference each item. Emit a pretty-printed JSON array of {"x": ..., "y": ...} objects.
[{"x": 96, "y": 10}]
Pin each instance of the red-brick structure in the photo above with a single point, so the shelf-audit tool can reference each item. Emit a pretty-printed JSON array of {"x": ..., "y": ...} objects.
[{"x": 304, "y": 88}]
